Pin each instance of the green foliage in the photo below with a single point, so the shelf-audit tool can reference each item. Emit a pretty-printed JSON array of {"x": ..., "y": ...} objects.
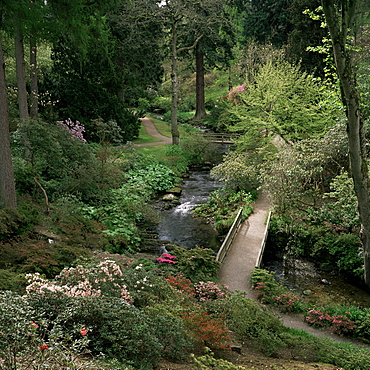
[
  {"x": 236, "y": 172},
  {"x": 114, "y": 327},
  {"x": 197, "y": 149},
  {"x": 223, "y": 206},
  {"x": 177, "y": 159},
  {"x": 170, "y": 331},
  {"x": 285, "y": 101},
  {"x": 271, "y": 292},
  {"x": 156, "y": 177},
  {"x": 298, "y": 172},
  {"x": 146, "y": 286},
  {"x": 61, "y": 163},
  {"x": 12, "y": 223},
  {"x": 197, "y": 264},
  {"x": 245, "y": 317},
  {"x": 208, "y": 361}
]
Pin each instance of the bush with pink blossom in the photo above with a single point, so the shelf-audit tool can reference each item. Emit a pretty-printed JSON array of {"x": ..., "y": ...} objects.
[{"x": 205, "y": 291}]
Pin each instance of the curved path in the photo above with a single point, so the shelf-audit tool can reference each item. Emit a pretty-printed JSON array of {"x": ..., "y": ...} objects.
[{"x": 151, "y": 130}]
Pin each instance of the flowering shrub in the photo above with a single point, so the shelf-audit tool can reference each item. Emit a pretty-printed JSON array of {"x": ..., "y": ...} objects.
[
  {"x": 76, "y": 129},
  {"x": 288, "y": 302},
  {"x": 167, "y": 258},
  {"x": 340, "y": 324},
  {"x": 145, "y": 286},
  {"x": 205, "y": 291},
  {"x": 104, "y": 279},
  {"x": 30, "y": 340},
  {"x": 272, "y": 292},
  {"x": 180, "y": 282}
]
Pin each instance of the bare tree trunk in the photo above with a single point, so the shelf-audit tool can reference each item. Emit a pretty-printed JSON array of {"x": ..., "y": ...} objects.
[
  {"x": 339, "y": 24},
  {"x": 21, "y": 73},
  {"x": 34, "y": 103},
  {"x": 7, "y": 185},
  {"x": 200, "y": 110},
  {"x": 175, "y": 88}
]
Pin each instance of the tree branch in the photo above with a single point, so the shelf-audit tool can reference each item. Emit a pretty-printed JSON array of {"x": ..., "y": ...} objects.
[{"x": 192, "y": 46}]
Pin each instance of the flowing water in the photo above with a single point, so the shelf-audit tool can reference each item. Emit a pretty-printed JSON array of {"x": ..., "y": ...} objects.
[{"x": 179, "y": 226}]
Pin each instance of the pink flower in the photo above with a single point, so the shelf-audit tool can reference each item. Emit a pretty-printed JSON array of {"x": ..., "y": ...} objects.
[
  {"x": 169, "y": 256},
  {"x": 165, "y": 260}
]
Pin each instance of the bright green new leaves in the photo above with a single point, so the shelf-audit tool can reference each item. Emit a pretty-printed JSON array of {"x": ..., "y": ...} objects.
[{"x": 285, "y": 101}]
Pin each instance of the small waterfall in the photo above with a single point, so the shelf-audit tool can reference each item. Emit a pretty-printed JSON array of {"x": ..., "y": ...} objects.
[{"x": 179, "y": 226}]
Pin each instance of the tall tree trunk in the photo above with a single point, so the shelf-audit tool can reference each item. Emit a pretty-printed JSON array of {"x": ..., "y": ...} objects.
[
  {"x": 21, "y": 73},
  {"x": 339, "y": 24},
  {"x": 175, "y": 88},
  {"x": 34, "y": 103},
  {"x": 200, "y": 110},
  {"x": 7, "y": 185}
]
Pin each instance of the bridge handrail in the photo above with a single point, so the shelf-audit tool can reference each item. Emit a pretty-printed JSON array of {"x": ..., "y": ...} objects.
[
  {"x": 229, "y": 237},
  {"x": 263, "y": 244}
]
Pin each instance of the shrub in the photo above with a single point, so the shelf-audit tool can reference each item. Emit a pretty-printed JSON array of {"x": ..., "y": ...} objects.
[
  {"x": 114, "y": 328},
  {"x": 12, "y": 223},
  {"x": 181, "y": 283},
  {"x": 157, "y": 177},
  {"x": 271, "y": 292},
  {"x": 205, "y": 329},
  {"x": 205, "y": 291},
  {"x": 196, "y": 264},
  {"x": 208, "y": 361},
  {"x": 245, "y": 317},
  {"x": 146, "y": 287},
  {"x": 339, "y": 324},
  {"x": 170, "y": 331}
]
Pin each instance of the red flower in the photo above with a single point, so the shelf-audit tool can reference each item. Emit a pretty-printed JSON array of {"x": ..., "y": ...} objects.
[
  {"x": 34, "y": 324},
  {"x": 83, "y": 331},
  {"x": 43, "y": 347}
]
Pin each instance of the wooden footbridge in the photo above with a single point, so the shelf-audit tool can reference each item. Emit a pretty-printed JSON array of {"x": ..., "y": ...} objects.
[
  {"x": 220, "y": 138},
  {"x": 243, "y": 248}
]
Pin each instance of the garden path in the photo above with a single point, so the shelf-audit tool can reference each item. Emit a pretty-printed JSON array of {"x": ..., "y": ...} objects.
[{"x": 151, "y": 130}]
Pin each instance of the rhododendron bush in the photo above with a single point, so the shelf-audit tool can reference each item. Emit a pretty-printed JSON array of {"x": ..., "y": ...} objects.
[{"x": 104, "y": 279}]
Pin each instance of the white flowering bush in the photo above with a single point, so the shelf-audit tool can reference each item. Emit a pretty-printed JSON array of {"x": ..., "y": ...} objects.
[
  {"x": 145, "y": 286},
  {"x": 104, "y": 279},
  {"x": 209, "y": 290}
]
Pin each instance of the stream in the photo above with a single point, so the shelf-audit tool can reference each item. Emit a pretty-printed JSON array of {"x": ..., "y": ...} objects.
[{"x": 179, "y": 226}]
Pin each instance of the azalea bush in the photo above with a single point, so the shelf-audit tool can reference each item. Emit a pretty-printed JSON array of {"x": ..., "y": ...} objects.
[
  {"x": 340, "y": 324},
  {"x": 181, "y": 283},
  {"x": 146, "y": 287}
]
